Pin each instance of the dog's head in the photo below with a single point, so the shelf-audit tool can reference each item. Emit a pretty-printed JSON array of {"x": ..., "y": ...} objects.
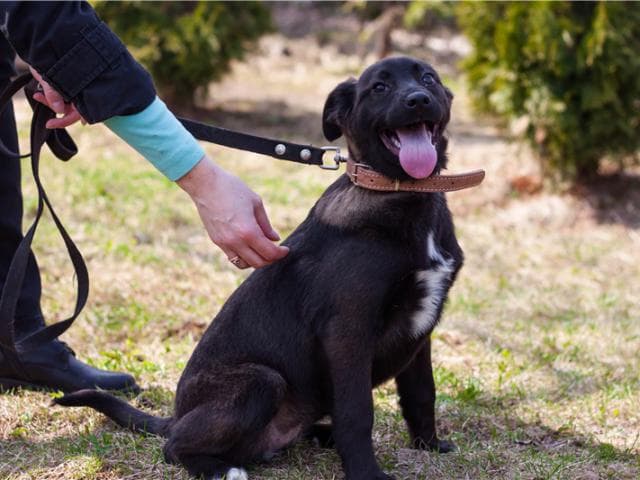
[{"x": 393, "y": 118}]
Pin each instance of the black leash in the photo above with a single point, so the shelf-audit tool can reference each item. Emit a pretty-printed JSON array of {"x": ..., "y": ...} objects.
[
  {"x": 306, "y": 154},
  {"x": 64, "y": 148}
]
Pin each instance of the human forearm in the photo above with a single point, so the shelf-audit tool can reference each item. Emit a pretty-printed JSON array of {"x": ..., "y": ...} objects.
[{"x": 159, "y": 137}]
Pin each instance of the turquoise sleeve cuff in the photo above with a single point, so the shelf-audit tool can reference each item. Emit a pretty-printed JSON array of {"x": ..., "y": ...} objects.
[{"x": 160, "y": 138}]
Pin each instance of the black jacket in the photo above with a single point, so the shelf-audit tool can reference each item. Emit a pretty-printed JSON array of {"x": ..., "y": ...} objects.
[{"x": 77, "y": 54}]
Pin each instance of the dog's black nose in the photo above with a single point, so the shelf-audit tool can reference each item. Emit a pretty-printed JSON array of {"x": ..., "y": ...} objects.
[{"x": 417, "y": 100}]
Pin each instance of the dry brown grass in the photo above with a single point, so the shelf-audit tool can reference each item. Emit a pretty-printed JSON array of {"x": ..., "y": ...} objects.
[{"x": 537, "y": 359}]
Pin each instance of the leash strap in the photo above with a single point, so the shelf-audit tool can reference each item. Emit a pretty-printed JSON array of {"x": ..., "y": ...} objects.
[
  {"x": 58, "y": 140},
  {"x": 306, "y": 154},
  {"x": 63, "y": 147}
]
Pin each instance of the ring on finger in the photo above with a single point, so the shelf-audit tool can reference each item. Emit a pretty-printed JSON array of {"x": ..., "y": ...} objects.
[{"x": 238, "y": 262}]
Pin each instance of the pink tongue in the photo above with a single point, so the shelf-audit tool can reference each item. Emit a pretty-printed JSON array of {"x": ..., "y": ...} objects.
[{"x": 417, "y": 154}]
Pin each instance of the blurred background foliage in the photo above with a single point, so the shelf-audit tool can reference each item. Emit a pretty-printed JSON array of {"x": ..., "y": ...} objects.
[
  {"x": 424, "y": 15},
  {"x": 571, "y": 70},
  {"x": 562, "y": 75},
  {"x": 186, "y": 45}
]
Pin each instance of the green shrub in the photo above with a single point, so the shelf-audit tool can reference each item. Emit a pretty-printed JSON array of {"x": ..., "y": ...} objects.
[
  {"x": 572, "y": 69},
  {"x": 185, "y": 45},
  {"x": 425, "y": 15}
]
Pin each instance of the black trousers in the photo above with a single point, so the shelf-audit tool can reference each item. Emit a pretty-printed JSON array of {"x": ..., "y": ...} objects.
[{"x": 28, "y": 313}]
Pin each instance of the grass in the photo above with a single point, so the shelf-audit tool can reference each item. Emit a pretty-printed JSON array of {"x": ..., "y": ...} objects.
[{"x": 536, "y": 360}]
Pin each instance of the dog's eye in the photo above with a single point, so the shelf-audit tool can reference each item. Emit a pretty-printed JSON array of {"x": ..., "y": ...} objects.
[
  {"x": 379, "y": 87},
  {"x": 428, "y": 79}
]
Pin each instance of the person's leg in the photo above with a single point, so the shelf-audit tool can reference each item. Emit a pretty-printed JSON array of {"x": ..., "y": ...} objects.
[
  {"x": 28, "y": 315},
  {"x": 53, "y": 365}
]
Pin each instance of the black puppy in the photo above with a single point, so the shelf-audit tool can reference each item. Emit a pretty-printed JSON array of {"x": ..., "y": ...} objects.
[{"x": 351, "y": 306}]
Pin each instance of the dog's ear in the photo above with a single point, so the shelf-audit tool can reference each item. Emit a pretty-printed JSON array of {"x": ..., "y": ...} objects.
[
  {"x": 338, "y": 105},
  {"x": 449, "y": 94},
  {"x": 447, "y": 116}
]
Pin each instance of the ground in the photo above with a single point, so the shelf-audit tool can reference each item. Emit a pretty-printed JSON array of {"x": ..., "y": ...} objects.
[{"x": 536, "y": 358}]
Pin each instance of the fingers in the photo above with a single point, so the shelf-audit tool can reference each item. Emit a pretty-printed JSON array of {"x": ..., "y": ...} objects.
[
  {"x": 238, "y": 262},
  {"x": 240, "y": 249},
  {"x": 232, "y": 256},
  {"x": 39, "y": 97},
  {"x": 264, "y": 223},
  {"x": 251, "y": 245},
  {"x": 55, "y": 102},
  {"x": 249, "y": 242},
  {"x": 68, "y": 119},
  {"x": 262, "y": 241},
  {"x": 52, "y": 99},
  {"x": 267, "y": 251},
  {"x": 249, "y": 258}
]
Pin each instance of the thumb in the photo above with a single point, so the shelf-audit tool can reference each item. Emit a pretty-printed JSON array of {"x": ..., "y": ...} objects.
[{"x": 53, "y": 98}]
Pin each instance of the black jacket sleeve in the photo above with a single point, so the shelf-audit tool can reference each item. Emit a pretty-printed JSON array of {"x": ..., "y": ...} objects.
[{"x": 79, "y": 56}]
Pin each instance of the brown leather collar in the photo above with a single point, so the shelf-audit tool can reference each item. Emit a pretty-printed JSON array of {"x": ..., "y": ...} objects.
[{"x": 363, "y": 176}]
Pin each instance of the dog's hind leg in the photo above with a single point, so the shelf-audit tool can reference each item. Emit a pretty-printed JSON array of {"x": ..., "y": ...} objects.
[
  {"x": 224, "y": 431},
  {"x": 322, "y": 435}
]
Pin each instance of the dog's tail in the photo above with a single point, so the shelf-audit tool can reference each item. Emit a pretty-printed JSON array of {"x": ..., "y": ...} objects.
[{"x": 117, "y": 410}]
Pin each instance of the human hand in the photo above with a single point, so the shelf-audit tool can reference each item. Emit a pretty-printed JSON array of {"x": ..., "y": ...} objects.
[
  {"x": 55, "y": 102},
  {"x": 233, "y": 215}
]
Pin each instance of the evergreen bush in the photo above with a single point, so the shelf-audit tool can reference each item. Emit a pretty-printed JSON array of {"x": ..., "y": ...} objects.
[
  {"x": 571, "y": 69},
  {"x": 186, "y": 45}
]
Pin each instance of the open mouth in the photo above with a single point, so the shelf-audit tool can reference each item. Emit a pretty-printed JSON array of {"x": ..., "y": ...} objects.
[{"x": 415, "y": 146}]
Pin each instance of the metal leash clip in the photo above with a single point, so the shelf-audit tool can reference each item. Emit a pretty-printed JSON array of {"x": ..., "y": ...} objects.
[{"x": 337, "y": 158}]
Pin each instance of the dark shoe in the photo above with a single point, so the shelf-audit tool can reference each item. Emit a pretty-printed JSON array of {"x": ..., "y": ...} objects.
[{"x": 54, "y": 366}]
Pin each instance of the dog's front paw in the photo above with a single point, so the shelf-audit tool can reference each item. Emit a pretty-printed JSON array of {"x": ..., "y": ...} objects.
[{"x": 435, "y": 445}]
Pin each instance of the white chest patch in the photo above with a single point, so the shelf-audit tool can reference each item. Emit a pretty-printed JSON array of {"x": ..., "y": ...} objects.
[{"x": 434, "y": 280}]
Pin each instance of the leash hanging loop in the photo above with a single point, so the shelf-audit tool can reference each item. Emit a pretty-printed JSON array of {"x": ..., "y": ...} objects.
[{"x": 62, "y": 147}]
